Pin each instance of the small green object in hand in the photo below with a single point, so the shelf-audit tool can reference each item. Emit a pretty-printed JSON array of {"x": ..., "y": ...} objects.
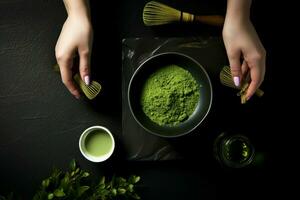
[
  {"x": 90, "y": 91},
  {"x": 226, "y": 79}
]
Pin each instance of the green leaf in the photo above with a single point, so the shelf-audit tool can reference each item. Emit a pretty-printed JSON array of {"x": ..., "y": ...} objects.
[
  {"x": 50, "y": 196},
  {"x": 100, "y": 186},
  {"x": 73, "y": 164},
  {"x": 65, "y": 182},
  {"x": 66, "y": 179},
  {"x": 55, "y": 176},
  {"x": 113, "y": 180},
  {"x": 82, "y": 190},
  {"x": 102, "y": 181},
  {"x": 59, "y": 193},
  {"x": 130, "y": 188},
  {"x": 122, "y": 180},
  {"x": 45, "y": 183},
  {"x": 121, "y": 191},
  {"x": 135, "y": 196},
  {"x": 114, "y": 192},
  {"x": 134, "y": 179},
  {"x": 85, "y": 174}
]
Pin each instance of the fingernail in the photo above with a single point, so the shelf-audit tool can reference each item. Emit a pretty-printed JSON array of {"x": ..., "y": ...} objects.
[
  {"x": 77, "y": 97},
  {"x": 248, "y": 98},
  {"x": 236, "y": 81},
  {"x": 87, "y": 80}
]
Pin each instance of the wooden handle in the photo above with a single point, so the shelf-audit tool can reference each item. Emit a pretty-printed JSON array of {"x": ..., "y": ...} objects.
[
  {"x": 56, "y": 68},
  {"x": 215, "y": 20},
  {"x": 259, "y": 92},
  {"x": 78, "y": 79}
]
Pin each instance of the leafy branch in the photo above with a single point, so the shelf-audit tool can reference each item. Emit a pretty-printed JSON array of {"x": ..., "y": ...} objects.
[{"x": 75, "y": 185}]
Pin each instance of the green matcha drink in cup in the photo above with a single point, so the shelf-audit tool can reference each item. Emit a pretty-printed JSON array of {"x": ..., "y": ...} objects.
[{"x": 96, "y": 143}]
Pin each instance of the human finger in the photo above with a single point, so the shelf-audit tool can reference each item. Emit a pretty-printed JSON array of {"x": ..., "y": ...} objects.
[
  {"x": 235, "y": 67},
  {"x": 256, "y": 74},
  {"x": 65, "y": 66},
  {"x": 84, "y": 66}
]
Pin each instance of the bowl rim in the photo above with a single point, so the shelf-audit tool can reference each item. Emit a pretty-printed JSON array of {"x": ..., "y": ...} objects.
[
  {"x": 92, "y": 158},
  {"x": 139, "y": 68}
]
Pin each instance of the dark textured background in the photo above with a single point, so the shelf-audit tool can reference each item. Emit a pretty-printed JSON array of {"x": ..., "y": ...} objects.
[{"x": 40, "y": 122}]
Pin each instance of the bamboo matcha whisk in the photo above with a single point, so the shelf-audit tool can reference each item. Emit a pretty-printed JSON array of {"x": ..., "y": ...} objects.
[
  {"x": 226, "y": 79},
  {"x": 156, "y": 13},
  {"x": 90, "y": 91}
]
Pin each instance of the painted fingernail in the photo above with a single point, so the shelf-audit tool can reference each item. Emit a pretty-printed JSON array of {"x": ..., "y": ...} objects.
[
  {"x": 87, "y": 80},
  {"x": 236, "y": 81}
]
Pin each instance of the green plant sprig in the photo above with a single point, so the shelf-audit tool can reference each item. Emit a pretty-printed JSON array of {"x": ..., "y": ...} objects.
[{"x": 75, "y": 185}]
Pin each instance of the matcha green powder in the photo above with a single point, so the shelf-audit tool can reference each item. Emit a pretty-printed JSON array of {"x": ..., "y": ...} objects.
[{"x": 170, "y": 95}]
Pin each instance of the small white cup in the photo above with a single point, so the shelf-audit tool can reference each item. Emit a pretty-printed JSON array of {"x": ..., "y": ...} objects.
[{"x": 84, "y": 151}]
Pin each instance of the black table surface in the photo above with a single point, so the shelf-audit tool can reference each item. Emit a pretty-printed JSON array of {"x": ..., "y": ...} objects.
[{"x": 40, "y": 122}]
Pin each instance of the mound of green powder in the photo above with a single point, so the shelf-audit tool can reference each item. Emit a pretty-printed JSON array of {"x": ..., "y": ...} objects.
[{"x": 170, "y": 95}]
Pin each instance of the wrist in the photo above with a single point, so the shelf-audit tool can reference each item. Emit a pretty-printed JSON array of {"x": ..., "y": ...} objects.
[
  {"x": 238, "y": 11},
  {"x": 77, "y": 8},
  {"x": 237, "y": 19}
]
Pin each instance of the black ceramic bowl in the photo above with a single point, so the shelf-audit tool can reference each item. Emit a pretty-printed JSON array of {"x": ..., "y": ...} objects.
[{"x": 146, "y": 69}]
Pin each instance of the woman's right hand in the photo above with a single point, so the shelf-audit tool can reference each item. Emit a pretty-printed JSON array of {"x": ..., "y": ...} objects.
[{"x": 243, "y": 44}]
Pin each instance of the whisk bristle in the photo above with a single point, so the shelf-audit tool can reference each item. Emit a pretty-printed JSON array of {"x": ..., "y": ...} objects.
[
  {"x": 156, "y": 13},
  {"x": 226, "y": 79},
  {"x": 90, "y": 91}
]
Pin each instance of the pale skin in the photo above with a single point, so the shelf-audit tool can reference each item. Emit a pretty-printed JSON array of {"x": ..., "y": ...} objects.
[
  {"x": 75, "y": 39},
  {"x": 245, "y": 51}
]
